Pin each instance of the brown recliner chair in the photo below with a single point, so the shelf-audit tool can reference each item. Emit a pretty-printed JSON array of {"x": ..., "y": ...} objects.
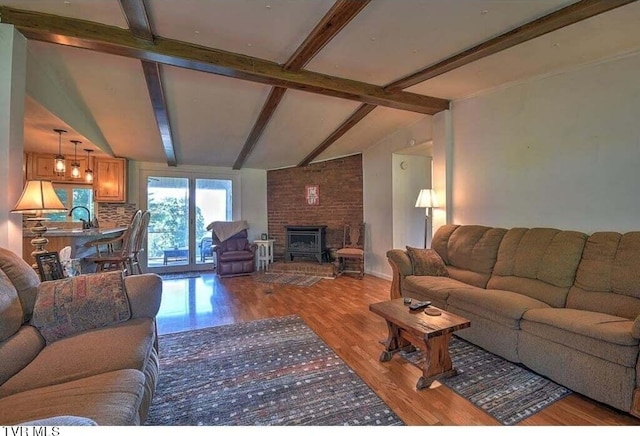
[{"x": 235, "y": 256}]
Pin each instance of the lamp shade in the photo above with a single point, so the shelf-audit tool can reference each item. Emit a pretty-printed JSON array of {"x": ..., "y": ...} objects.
[
  {"x": 427, "y": 198},
  {"x": 39, "y": 196}
]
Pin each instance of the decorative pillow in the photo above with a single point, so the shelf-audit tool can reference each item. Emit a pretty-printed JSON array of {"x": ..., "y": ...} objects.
[
  {"x": 69, "y": 306},
  {"x": 426, "y": 262}
]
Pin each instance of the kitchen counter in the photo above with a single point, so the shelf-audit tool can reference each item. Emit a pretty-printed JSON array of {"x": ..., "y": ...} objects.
[
  {"x": 78, "y": 233},
  {"x": 77, "y": 239}
]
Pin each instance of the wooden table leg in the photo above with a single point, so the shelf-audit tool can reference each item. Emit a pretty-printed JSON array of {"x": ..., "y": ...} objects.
[
  {"x": 437, "y": 361},
  {"x": 393, "y": 343}
]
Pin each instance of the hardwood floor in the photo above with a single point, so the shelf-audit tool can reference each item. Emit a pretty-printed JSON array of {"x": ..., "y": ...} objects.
[{"x": 338, "y": 311}]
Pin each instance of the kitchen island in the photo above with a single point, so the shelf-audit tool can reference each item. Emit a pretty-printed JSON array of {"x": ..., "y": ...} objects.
[{"x": 77, "y": 239}]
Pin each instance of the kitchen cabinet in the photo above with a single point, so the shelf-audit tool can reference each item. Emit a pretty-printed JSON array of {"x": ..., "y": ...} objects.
[
  {"x": 110, "y": 179},
  {"x": 41, "y": 167}
]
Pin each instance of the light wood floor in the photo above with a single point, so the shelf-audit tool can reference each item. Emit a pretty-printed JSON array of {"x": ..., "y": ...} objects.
[{"x": 338, "y": 311}]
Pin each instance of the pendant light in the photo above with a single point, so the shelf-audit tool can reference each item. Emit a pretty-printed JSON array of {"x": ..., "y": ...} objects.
[
  {"x": 59, "y": 167},
  {"x": 88, "y": 174},
  {"x": 75, "y": 166}
]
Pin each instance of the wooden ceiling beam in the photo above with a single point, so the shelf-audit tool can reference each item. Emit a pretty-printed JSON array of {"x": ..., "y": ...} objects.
[
  {"x": 275, "y": 96},
  {"x": 136, "y": 15},
  {"x": 135, "y": 12},
  {"x": 349, "y": 123},
  {"x": 109, "y": 39},
  {"x": 340, "y": 14},
  {"x": 566, "y": 16},
  {"x": 153, "y": 77}
]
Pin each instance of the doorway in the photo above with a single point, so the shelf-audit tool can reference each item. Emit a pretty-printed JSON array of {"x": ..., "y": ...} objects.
[
  {"x": 411, "y": 172},
  {"x": 181, "y": 207}
]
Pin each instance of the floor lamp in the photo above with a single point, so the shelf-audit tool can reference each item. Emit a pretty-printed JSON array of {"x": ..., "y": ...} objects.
[
  {"x": 427, "y": 199},
  {"x": 38, "y": 197}
]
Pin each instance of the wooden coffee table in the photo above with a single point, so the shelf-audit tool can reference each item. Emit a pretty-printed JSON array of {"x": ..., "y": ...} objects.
[{"x": 429, "y": 333}]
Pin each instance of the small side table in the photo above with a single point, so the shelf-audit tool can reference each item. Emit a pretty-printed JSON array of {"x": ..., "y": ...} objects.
[{"x": 265, "y": 253}]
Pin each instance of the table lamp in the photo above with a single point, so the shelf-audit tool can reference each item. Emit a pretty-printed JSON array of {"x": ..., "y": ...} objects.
[
  {"x": 427, "y": 198},
  {"x": 38, "y": 197}
]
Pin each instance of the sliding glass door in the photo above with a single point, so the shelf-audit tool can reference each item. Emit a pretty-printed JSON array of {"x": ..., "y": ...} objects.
[{"x": 181, "y": 209}]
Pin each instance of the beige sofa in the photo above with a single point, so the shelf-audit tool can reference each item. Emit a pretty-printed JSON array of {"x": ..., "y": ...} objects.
[
  {"x": 563, "y": 303},
  {"x": 104, "y": 375}
]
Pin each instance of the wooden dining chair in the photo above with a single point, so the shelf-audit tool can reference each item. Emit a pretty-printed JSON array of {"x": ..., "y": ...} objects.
[
  {"x": 352, "y": 252},
  {"x": 115, "y": 253},
  {"x": 134, "y": 260}
]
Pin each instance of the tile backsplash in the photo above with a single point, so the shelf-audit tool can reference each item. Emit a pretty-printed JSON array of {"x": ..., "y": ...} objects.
[{"x": 118, "y": 213}]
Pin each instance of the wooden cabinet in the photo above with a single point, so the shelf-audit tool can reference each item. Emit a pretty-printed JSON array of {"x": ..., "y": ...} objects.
[
  {"x": 41, "y": 167},
  {"x": 110, "y": 179}
]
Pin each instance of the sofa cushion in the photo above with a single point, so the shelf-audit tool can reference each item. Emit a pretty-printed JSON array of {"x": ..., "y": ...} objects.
[
  {"x": 435, "y": 289},
  {"x": 18, "y": 351},
  {"x": 426, "y": 262},
  {"x": 608, "y": 277},
  {"x": 625, "y": 277},
  {"x": 23, "y": 277},
  {"x": 549, "y": 256},
  {"x": 70, "y": 306},
  {"x": 503, "y": 307},
  {"x": 111, "y": 398},
  {"x": 599, "y": 334},
  {"x": 470, "y": 248},
  {"x": 11, "y": 315},
  {"x": 121, "y": 346}
]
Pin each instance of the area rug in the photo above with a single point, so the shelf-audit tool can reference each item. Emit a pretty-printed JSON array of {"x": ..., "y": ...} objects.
[
  {"x": 275, "y": 371},
  {"x": 287, "y": 279},
  {"x": 177, "y": 276},
  {"x": 504, "y": 390}
]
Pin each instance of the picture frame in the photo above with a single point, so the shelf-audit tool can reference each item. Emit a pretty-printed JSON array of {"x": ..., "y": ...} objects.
[
  {"x": 312, "y": 195},
  {"x": 49, "y": 266},
  {"x": 264, "y": 236}
]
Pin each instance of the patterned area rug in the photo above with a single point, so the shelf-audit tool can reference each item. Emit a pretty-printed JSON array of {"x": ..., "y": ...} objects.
[
  {"x": 506, "y": 391},
  {"x": 178, "y": 276},
  {"x": 287, "y": 279},
  {"x": 275, "y": 371}
]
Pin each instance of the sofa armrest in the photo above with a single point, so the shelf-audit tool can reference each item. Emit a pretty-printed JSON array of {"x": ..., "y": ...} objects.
[
  {"x": 402, "y": 261},
  {"x": 402, "y": 267},
  {"x": 635, "y": 330},
  {"x": 145, "y": 294}
]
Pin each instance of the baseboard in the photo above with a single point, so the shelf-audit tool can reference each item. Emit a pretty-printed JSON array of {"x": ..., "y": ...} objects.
[{"x": 379, "y": 275}]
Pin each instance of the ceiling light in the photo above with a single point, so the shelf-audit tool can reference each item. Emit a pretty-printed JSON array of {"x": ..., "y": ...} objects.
[
  {"x": 88, "y": 174},
  {"x": 59, "y": 166},
  {"x": 75, "y": 166}
]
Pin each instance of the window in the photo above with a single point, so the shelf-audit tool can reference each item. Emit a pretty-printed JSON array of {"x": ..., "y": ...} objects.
[{"x": 71, "y": 196}]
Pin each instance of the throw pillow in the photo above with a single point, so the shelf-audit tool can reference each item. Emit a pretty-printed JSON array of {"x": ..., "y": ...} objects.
[
  {"x": 426, "y": 262},
  {"x": 69, "y": 306}
]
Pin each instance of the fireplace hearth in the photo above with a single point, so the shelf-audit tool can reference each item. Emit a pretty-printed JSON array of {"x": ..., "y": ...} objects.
[{"x": 306, "y": 241}]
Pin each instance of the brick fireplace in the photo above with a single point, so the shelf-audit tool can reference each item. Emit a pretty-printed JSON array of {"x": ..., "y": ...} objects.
[{"x": 340, "y": 199}]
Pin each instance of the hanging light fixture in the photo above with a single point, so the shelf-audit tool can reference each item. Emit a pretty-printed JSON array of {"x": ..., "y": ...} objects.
[
  {"x": 59, "y": 166},
  {"x": 75, "y": 166},
  {"x": 88, "y": 174}
]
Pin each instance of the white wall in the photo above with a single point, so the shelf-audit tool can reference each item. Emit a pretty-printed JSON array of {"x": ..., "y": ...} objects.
[
  {"x": 13, "y": 63},
  {"x": 378, "y": 193},
  {"x": 559, "y": 151}
]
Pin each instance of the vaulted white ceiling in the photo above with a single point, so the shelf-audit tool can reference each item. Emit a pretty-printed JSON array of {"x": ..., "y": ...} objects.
[{"x": 102, "y": 99}]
